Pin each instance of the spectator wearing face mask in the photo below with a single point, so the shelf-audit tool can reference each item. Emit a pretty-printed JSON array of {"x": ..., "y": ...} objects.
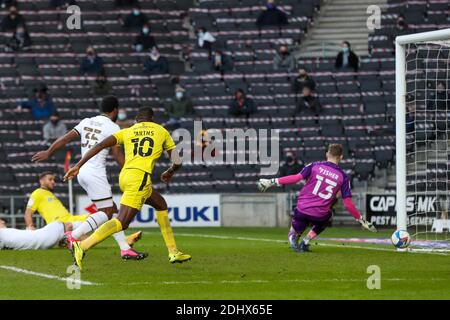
[
  {"x": 156, "y": 64},
  {"x": 346, "y": 58},
  {"x": 144, "y": 41},
  {"x": 12, "y": 20},
  {"x": 41, "y": 106},
  {"x": 122, "y": 119},
  {"x": 54, "y": 128},
  {"x": 308, "y": 102},
  {"x": 136, "y": 19},
  {"x": 101, "y": 87},
  {"x": 20, "y": 40},
  {"x": 291, "y": 165},
  {"x": 241, "y": 105},
  {"x": 272, "y": 16},
  {"x": 400, "y": 24},
  {"x": 179, "y": 107},
  {"x": 284, "y": 60},
  {"x": 91, "y": 64},
  {"x": 303, "y": 79},
  {"x": 205, "y": 39}
]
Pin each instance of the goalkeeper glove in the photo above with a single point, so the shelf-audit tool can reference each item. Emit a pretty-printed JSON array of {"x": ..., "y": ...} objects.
[
  {"x": 264, "y": 184},
  {"x": 367, "y": 225}
]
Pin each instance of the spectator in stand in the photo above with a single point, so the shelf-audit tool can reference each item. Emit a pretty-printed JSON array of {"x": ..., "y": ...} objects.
[
  {"x": 54, "y": 128},
  {"x": 12, "y": 20},
  {"x": 91, "y": 64},
  {"x": 20, "y": 40},
  {"x": 241, "y": 105},
  {"x": 346, "y": 58},
  {"x": 303, "y": 80},
  {"x": 144, "y": 41},
  {"x": 156, "y": 64},
  {"x": 122, "y": 119},
  {"x": 101, "y": 87},
  {"x": 291, "y": 165},
  {"x": 272, "y": 16},
  {"x": 205, "y": 39},
  {"x": 401, "y": 25},
  {"x": 284, "y": 60},
  {"x": 62, "y": 4},
  {"x": 308, "y": 102},
  {"x": 41, "y": 105},
  {"x": 179, "y": 107},
  {"x": 221, "y": 62},
  {"x": 136, "y": 19}
]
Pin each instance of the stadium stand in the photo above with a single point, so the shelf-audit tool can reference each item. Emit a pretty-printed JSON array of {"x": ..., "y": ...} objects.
[{"x": 357, "y": 107}]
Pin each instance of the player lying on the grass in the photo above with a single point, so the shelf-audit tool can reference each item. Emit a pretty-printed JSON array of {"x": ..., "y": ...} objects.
[
  {"x": 144, "y": 143},
  {"x": 37, "y": 239},
  {"x": 324, "y": 180},
  {"x": 44, "y": 201},
  {"x": 92, "y": 177}
]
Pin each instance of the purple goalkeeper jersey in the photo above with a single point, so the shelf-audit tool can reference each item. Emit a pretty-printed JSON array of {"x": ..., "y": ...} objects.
[{"x": 323, "y": 181}]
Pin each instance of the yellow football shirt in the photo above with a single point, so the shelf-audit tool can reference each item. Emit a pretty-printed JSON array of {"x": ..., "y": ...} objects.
[
  {"x": 144, "y": 143},
  {"x": 48, "y": 206}
]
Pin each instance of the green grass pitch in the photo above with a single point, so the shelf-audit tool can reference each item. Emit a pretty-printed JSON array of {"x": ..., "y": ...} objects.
[{"x": 231, "y": 263}]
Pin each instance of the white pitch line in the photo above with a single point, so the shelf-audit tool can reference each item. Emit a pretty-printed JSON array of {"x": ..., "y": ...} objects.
[
  {"x": 48, "y": 276},
  {"x": 348, "y": 246},
  {"x": 271, "y": 281}
]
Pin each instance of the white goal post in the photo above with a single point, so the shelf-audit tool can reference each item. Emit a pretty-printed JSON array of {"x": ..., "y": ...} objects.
[{"x": 422, "y": 65}]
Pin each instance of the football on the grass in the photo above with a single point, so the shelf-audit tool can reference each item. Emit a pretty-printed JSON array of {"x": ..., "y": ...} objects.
[{"x": 401, "y": 239}]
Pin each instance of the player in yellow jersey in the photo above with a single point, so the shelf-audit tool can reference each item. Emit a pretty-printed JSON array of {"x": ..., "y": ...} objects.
[
  {"x": 43, "y": 201},
  {"x": 144, "y": 143}
]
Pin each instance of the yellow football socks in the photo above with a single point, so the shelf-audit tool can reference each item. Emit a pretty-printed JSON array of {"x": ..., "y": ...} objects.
[
  {"x": 166, "y": 230},
  {"x": 108, "y": 228}
]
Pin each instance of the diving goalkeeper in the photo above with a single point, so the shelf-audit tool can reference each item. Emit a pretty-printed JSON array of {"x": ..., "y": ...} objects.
[{"x": 324, "y": 181}]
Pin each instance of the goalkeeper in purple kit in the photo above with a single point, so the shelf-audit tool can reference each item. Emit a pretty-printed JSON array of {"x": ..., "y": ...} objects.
[{"x": 324, "y": 181}]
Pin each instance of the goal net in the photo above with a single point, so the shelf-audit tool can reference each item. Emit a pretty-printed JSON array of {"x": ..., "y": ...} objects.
[{"x": 423, "y": 138}]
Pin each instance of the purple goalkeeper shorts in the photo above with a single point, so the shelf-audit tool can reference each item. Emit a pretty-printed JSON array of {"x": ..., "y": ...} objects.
[{"x": 301, "y": 221}]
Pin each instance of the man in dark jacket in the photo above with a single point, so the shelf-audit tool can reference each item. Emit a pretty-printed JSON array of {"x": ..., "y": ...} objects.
[
  {"x": 303, "y": 80},
  {"x": 308, "y": 102},
  {"x": 136, "y": 19},
  {"x": 91, "y": 64},
  {"x": 346, "y": 58},
  {"x": 144, "y": 41},
  {"x": 272, "y": 16},
  {"x": 12, "y": 20},
  {"x": 20, "y": 40},
  {"x": 41, "y": 106},
  {"x": 156, "y": 64},
  {"x": 291, "y": 165},
  {"x": 241, "y": 105}
]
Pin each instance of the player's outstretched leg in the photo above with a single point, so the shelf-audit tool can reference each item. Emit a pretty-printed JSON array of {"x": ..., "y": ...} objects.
[
  {"x": 158, "y": 202},
  {"x": 298, "y": 225},
  {"x": 319, "y": 225}
]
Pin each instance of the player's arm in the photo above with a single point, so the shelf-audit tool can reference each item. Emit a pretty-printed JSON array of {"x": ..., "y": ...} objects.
[
  {"x": 57, "y": 145},
  {"x": 351, "y": 207},
  {"x": 175, "y": 166},
  {"x": 264, "y": 184},
  {"x": 106, "y": 143},
  {"x": 118, "y": 155},
  {"x": 29, "y": 219}
]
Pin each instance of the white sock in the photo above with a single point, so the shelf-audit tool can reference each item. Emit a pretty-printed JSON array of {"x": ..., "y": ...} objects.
[
  {"x": 120, "y": 238},
  {"x": 92, "y": 223}
]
